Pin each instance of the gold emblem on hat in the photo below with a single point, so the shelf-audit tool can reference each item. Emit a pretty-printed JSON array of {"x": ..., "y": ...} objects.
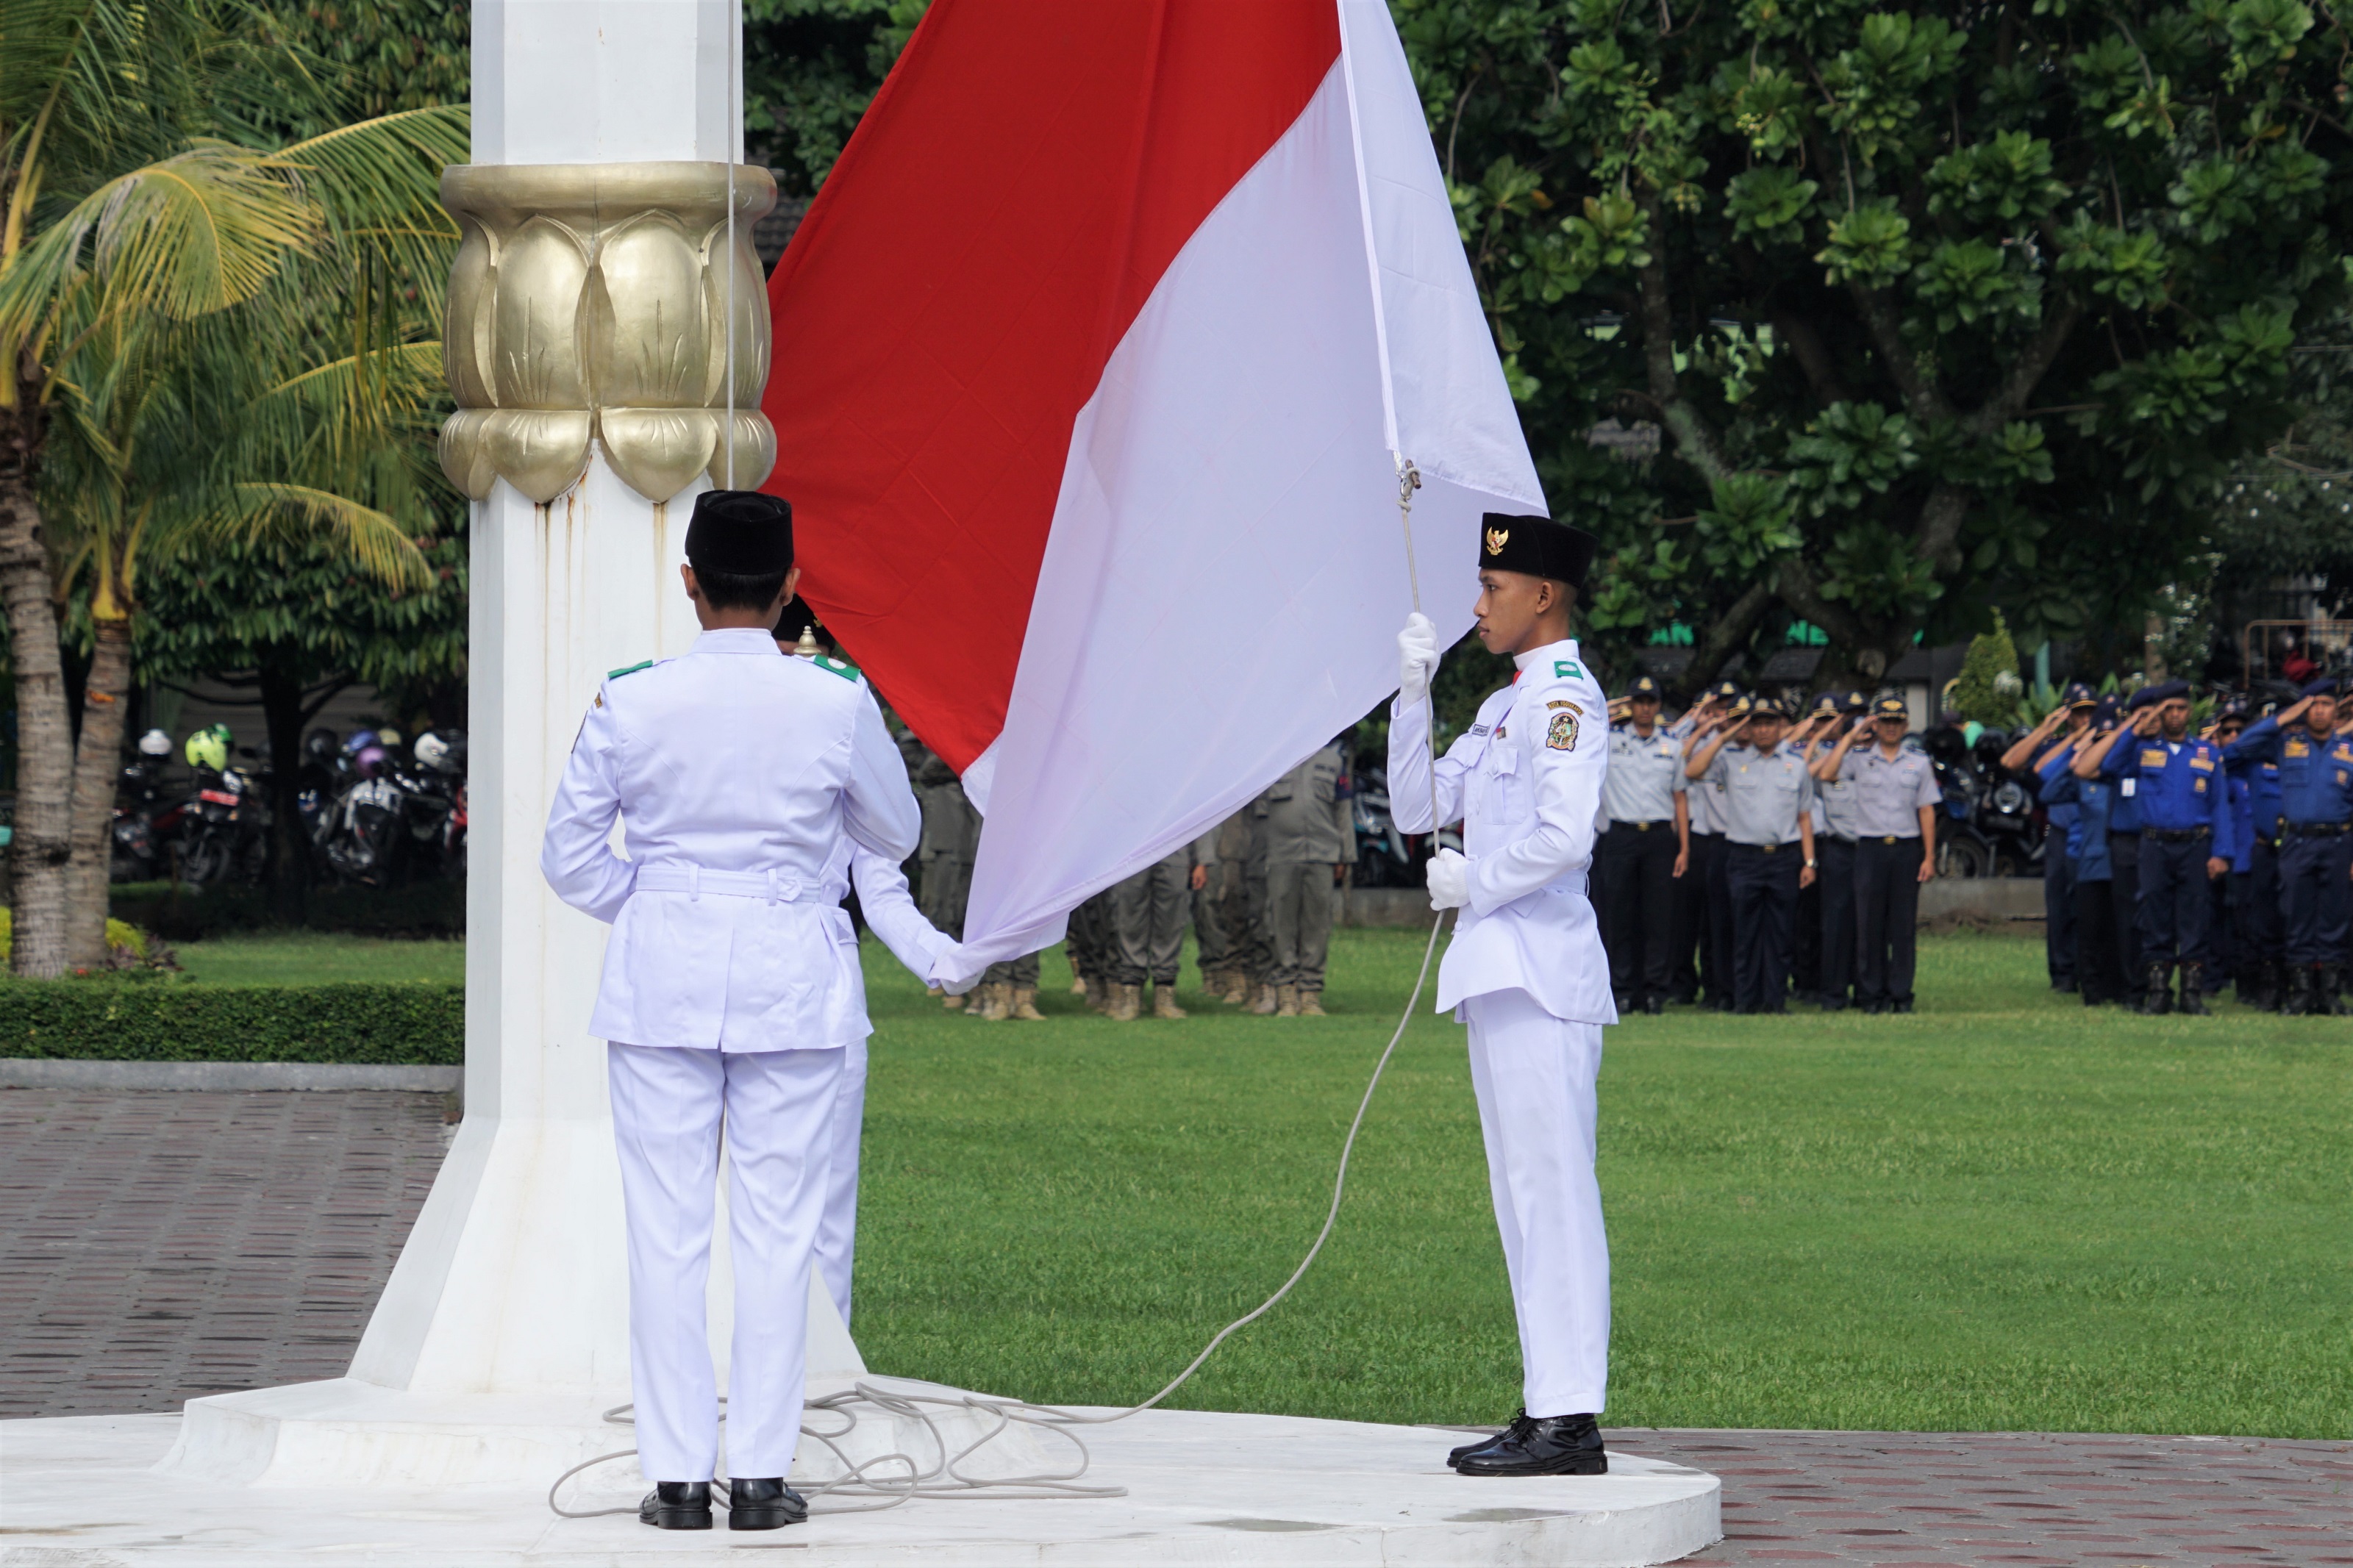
[{"x": 1496, "y": 539}]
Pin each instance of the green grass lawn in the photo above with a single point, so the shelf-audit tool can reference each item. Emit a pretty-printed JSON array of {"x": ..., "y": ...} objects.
[
  {"x": 315, "y": 958},
  {"x": 2004, "y": 1212}
]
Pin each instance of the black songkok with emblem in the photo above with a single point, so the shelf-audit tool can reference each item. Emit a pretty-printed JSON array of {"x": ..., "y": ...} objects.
[
  {"x": 744, "y": 532},
  {"x": 1537, "y": 546}
]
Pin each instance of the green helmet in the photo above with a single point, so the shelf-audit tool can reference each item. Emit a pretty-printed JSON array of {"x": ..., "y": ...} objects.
[{"x": 208, "y": 748}]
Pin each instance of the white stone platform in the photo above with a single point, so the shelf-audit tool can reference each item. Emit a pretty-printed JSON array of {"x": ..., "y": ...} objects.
[{"x": 1203, "y": 1488}]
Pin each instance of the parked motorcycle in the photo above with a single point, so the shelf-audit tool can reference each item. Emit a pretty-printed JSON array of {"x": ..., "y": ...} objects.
[
  {"x": 137, "y": 853},
  {"x": 1386, "y": 858}
]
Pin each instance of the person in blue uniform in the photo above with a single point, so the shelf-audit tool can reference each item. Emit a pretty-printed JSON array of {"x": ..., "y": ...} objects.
[
  {"x": 2316, "y": 853},
  {"x": 2233, "y": 947},
  {"x": 2056, "y": 735},
  {"x": 2263, "y": 980},
  {"x": 2098, "y": 966},
  {"x": 2123, "y": 837},
  {"x": 2184, "y": 841}
]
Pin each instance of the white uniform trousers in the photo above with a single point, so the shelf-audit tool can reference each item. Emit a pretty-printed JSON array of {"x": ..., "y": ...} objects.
[
  {"x": 778, "y": 1110},
  {"x": 837, "y": 1229},
  {"x": 1534, "y": 1075}
]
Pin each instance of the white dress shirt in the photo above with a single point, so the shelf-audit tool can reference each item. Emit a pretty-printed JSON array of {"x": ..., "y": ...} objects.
[
  {"x": 1526, "y": 783},
  {"x": 735, "y": 771}
]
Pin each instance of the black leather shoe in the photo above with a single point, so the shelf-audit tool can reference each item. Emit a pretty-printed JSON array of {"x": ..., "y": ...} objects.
[
  {"x": 1654, "y": 1006},
  {"x": 677, "y": 1505},
  {"x": 2193, "y": 991},
  {"x": 764, "y": 1502},
  {"x": 1554, "y": 1446},
  {"x": 1519, "y": 1422}
]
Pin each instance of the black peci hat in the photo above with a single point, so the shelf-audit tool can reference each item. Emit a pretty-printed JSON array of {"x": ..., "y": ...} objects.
[
  {"x": 743, "y": 532},
  {"x": 1537, "y": 546}
]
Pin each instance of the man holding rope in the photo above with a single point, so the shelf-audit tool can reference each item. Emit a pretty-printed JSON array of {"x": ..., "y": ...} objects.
[{"x": 1526, "y": 971}]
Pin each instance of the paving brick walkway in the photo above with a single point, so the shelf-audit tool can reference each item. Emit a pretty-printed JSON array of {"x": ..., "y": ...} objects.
[
  {"x": 159, "y": 1245},
  {"x": 2023, "y": 1499},
  {"x": 156, "y": 1246}
]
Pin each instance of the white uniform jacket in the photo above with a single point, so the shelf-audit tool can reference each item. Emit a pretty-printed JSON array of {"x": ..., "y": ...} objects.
[
  {"x": 735, "y": 771},
  {"x": 889, "y": 906},
  {"x": 1526, "y": 783}
]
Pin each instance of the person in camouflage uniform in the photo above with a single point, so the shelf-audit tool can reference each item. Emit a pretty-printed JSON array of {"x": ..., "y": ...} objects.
[
  {"x": 944, "y": 856},
  {"x": 1310, "y": 840}
]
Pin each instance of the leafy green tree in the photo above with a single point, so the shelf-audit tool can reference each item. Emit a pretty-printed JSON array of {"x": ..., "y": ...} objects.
[
  {"x": 1989, "y": 688},
  {"x": 1935, "y": 308},
  {"x": 810, "y": 68},
  {"x": 154, "y": 222},
  {"x": 297, "y": 622}
]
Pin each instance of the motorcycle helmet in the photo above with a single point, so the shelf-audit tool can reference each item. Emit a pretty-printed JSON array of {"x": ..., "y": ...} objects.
[
  {"x": 155, "y": 744},
  {"x": 388, "y": 739},
  {"x": 319, "y": 745},
  {"x": 432, "y": 751},
  {"x": 370, "y": 760},
  {"x": 357, "y": 741},
  {"x": 208, "y": 748}
]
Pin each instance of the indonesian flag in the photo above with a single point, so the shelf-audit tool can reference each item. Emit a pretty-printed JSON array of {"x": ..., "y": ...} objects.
[{"x": 1096, "y": 359}]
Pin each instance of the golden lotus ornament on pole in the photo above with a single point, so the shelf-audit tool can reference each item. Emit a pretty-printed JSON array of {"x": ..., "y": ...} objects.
[{"x": 591, "y": 303}]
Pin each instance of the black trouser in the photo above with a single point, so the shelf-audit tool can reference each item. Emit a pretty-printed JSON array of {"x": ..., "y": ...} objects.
[
  {"x": 2058, "y": 907},
  {"x": 1715, "y": 954},
  {"x": 2315, "y": 895},
  {"x": 2124, "y": 892},
  {"x": 1690, "y": 899},
  {"x": 1763, "y": 883},
  {"x": 2099, "y": 968},
  {"x": 1637, "y": 860},
  {"x": 1806, "y": 942},
  {"x": 1886, "y": 918},
  {"x": 2176, "y": 904},
  {"x": 2266, "y": 932},
  {"x": 1835, "y": 877}
]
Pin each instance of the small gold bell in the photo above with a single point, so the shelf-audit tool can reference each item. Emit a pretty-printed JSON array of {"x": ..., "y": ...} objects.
[{"x": 807, "y": 647}]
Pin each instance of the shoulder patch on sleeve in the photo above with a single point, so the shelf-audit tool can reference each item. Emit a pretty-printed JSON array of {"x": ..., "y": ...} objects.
[
  {"x": 831, "y": 666},
  {"x": 1568, "y": 669},
  {"x": 1561, "y": 735},
  {"x": 628, "y": 669},
  {"x": 1572, "y": 707}
]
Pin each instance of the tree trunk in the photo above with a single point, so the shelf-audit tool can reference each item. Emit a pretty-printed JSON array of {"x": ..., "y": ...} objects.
[
  {"x": 98, "y": 765},
  {"x": 42, "y": 844},
  {"x": 290, "y": 856}
]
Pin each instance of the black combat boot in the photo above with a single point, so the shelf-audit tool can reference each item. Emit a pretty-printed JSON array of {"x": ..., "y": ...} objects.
[
  {"x": 1544, "y": 1446},
  {"x": 677, "y": 1505},
  {"x": 2193, "y": 991},
  {"x": 2156, "y": 990},
  {"x": 2329, "y": 991},
  {"x": 2267, "y": 987},
  {"x": 2296, "y": 1001}
]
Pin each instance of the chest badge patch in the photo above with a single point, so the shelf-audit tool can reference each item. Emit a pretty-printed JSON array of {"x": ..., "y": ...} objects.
[{"x": 1562, "y": 735}]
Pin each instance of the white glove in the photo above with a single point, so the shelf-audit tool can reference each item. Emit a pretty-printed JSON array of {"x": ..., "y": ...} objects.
[
  {"x": 955, "y": 973},
  {"x": 1450, "y": 880},
  {"x": 1416, "y": 657}
]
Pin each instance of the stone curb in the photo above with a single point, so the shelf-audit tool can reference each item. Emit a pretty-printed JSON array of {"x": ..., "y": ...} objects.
[{"x": 21, "y": 1072}]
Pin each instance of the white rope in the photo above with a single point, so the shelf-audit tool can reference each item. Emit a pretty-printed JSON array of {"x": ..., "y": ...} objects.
[
  {"x": 941, "y": 1477},
  {"x": 734, "y": 136}
]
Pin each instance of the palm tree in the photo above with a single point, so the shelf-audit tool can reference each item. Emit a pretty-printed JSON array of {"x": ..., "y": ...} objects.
[{"x": 155, "y": 274}]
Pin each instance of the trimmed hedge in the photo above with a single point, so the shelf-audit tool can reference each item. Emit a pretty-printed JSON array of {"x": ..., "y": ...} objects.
[
  {"x": 417, "y": 1023},
  {"x": 423, "y": 909}
]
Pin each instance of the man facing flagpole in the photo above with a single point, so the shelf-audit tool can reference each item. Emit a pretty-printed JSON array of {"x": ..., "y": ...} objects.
[{"x": 1525, "y": 970}]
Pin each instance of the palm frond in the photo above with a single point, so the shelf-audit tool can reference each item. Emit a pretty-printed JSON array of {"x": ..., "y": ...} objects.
[
  {"x": 195, "y": 233},
  {"x": 375, "y": 544},
  {"x": 379, "y": 182}
]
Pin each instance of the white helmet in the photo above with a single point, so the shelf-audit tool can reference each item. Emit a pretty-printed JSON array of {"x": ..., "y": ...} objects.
[
  {"x": 154, "y": 743},
  {"x": 432, "y": 751}
]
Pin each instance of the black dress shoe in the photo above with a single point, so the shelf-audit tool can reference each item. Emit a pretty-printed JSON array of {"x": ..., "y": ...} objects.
[
  {"x": 1653, "y": 1005},
  {"x": 677, "y": 1505},
  {"x": 1552, "y": 1445},
  {"x": 764, "y": 1502},
  {"x": 1519, "y": 1420},
  {"x": 1903, "y": 1004}
]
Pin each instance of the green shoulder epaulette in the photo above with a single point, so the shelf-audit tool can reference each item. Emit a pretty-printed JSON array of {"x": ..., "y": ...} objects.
[
  {"x": 628, "y": 669},
  {"x": 841, "y": 667}
]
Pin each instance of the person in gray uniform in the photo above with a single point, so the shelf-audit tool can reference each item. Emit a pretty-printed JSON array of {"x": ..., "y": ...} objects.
[
  {"x": 1148, "y": 913},
  {"x": 1834, "y": 849},
  {"x": 944, "y": 859},
  {"x": 1769, "y": 834},
  {"x": 1310, "y": 840},
  {"x": 1636, "y": 859},
  {"x": 1212, "y": 945},
  {"x": 1895, "y": 802}
]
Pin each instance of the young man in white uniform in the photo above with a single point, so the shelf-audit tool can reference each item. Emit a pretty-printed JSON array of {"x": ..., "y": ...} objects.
[
  {"x": 1525, "y": 970},
  {"x": 731, "y": 989}
]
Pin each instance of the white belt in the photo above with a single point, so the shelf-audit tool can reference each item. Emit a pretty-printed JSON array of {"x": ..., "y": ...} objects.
[{"x": 776, "y": 887}]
